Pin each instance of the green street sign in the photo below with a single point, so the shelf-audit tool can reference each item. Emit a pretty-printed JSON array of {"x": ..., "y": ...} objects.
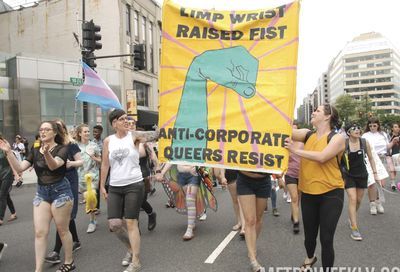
[{"x": 76, "y": 81}]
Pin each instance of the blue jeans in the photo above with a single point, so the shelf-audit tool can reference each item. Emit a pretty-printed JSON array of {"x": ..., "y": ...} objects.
[
  {"x": 59, "y": 193},
  {"x": 187, "y": 178}
]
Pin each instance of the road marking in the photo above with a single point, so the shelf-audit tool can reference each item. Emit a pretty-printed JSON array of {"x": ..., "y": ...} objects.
[{"x": 220, "y": 247}]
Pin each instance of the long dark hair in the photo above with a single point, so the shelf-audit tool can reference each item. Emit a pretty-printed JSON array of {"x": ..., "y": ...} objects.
[
  {"x": 58, "y": 130},
  {"x": 334, "y": 122}
]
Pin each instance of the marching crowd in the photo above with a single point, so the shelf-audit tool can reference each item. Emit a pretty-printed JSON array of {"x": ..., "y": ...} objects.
[{"x": 323, "y": 167}]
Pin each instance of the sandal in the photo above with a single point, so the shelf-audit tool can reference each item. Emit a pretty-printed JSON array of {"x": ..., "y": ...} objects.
[
  {"x": 66, "y": 267},
  {"x": 237, "y": 227},
  {"x": 307, "y": 266},
  {"x": 242, "y": 234},
  {"x": 256, "y": 267},
  {"x": 12, "y": 218}
]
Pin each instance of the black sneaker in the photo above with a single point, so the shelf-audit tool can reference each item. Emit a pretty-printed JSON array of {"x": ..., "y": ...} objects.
[
  {"x": 3, "y": 247},
  {"x": 53, "y": 258},
  {"x": 152, "y": 221},
  {"x": 296, "y": 228},
  {"x": 76, "y": 246}
]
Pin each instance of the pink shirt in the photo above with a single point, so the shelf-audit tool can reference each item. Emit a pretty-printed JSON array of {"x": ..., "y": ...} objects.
[{"x": 294, "y": 163}]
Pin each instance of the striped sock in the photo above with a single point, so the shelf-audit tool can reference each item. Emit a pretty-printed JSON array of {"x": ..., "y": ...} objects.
[{"x": 191, "y": 206}]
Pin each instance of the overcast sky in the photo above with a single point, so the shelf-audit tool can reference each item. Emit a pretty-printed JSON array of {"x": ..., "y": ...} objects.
[{"x": 325, "y": 28}]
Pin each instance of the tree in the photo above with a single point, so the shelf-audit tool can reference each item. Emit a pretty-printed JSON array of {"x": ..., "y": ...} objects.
[{"x": 347, "y": 107}]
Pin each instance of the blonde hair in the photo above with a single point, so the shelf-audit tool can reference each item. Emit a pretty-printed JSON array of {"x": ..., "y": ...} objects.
[{"x": 79, "y": 130}]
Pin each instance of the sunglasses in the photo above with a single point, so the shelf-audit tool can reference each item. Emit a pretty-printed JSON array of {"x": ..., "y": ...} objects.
[{"x": 355, "y": 127}]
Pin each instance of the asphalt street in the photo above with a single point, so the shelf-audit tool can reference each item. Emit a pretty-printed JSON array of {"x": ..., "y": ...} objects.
[{"x": 164, "y": 250}]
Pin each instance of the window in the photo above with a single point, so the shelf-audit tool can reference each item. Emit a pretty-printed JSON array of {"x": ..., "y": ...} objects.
[
  {"x": 136, "y": 25},
  {"x": 144, "y": 29},
  {"x": 58, "y": 101},
  {"x": 142, "y": 93},
  {"x": 351, "y": 67},
  {"x": 128, "y": 20},
  {"x": 151, "y": 61}
]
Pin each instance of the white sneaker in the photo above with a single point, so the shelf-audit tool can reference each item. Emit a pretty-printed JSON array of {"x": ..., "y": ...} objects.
[
  {"x": 91, "y": 227},
  {"x": 203, "y": 217},
  {"x": 288, "y": 199},
  {"x": 372, "y": 208},
  {"x": 379, "y": 207},
  {"x": 127, "y": 259},
  {"x": 284, "y": 195}
]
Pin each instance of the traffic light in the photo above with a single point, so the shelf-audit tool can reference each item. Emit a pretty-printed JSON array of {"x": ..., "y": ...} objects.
[
  {"x": 139, "y": 56},
  {"x": 89, "y": 58},
  {"x": 90, "y": 36}
]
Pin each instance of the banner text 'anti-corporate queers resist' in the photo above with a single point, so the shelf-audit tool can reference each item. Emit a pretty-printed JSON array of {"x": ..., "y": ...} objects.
[
  {"x": 222, "y": 135},
  {"x": 258, "y": 33}
]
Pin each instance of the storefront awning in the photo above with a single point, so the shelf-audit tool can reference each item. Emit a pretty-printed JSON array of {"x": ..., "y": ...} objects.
[{"x": 147, "y": 118}]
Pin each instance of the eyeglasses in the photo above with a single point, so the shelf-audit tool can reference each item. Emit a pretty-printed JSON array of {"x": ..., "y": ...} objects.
[
  {"x": 45, "y": 129},
  {"x": 373, "y": 125},
  {"x": 123, "y": 119}
]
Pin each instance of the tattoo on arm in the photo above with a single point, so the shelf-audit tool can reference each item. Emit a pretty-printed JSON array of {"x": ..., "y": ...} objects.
[{"x": 147, "y": 136}]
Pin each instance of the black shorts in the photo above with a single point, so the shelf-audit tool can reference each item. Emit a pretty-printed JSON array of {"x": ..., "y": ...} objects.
[
  {"x": 353, "y": 182},
  {"x": 291, "y": 180},
  {"x": 125, "y": 201},
  {"x": 260, "y": 187}
]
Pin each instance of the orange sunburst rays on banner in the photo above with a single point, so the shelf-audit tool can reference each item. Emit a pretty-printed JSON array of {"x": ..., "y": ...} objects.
[{"x": 241, "y": 103}]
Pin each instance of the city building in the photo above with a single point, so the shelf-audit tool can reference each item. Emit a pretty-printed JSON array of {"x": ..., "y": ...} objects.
[
  {"x": 369, "y": 65},
  {"x": 39, "y": 55}
]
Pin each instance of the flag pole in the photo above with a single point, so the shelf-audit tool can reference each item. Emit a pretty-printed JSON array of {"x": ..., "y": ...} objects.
[{"x": 75, "y": 111}]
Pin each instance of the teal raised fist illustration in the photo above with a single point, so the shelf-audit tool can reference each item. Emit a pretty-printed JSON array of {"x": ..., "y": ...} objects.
[{"x": 234, "y": 68}]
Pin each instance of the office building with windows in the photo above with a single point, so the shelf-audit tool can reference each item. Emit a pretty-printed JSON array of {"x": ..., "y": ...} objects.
[
  {"x": 39, "y": 55},
  {"x": 369, "y": 65}
]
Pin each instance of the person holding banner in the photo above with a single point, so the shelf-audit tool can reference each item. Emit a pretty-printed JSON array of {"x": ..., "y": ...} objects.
[
  {"x": 320, "y": 182},
  {"x": 126, "y": 187},
  {"x": 253, "y": 190},
  {"x": 189, "y": 179},
  {"x": 228, "y": 177}
]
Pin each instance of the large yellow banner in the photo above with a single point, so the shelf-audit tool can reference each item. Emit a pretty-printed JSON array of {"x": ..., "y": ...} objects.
[{"x": 228, "y": 85}]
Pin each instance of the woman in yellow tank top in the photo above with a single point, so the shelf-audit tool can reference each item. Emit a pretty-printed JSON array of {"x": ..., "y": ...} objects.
[{"x": 320, "y": 182}]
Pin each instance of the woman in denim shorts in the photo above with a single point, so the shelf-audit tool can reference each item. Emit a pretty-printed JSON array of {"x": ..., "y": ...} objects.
[
  {"x": 253, "y": 190},
  {"x": 126, "y": 187},
  {"x": 189, "y": 180},
  {"x": 53, "y": 198}
]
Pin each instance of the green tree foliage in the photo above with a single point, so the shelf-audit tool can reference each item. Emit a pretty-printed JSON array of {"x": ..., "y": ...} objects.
[{"x": 347, "y": 107}]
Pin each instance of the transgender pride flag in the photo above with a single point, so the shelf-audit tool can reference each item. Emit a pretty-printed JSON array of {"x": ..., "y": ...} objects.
[{"x": 95, "y": 90}]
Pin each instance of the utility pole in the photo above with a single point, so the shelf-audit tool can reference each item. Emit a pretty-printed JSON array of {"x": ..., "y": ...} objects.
[{"x": 84, "y": 104}]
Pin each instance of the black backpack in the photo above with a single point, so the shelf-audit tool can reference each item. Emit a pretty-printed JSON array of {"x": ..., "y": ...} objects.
[{"x": 343, "y": 162}]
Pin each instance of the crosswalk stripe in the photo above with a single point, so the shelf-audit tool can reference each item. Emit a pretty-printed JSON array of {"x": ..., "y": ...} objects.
[{"x": 220, "y": 247}]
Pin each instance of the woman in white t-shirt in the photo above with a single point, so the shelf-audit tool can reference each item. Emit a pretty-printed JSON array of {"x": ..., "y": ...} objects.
[
  {"x": 126, "y": 189},
  {"x": 380, "y": 142}
]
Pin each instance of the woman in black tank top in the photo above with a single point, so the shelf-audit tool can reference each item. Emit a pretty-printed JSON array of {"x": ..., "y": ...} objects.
[{"x": 356, "y": 175}]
